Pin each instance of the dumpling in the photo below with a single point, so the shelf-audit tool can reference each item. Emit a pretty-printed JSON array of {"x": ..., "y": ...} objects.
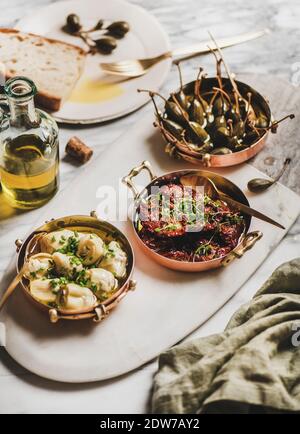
[
  {"x": 102, "y": 280},
  {"x": 43, "y": 290},
  {"x": 78, "y": 297},
  {"x": 47, "y": 291},
  {"x": 115, "y": 260},
  {"x": 66, "y": 265},
  {"x": 38, "y": 265},
  {"x": 55, "y": 240},
  {"x": 90, "y": 248}
]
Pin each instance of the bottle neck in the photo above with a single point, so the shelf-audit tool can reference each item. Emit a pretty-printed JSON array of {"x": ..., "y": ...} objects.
[
  {"x": 20, "y": 92},
  {"x": 23, "y": 112}
]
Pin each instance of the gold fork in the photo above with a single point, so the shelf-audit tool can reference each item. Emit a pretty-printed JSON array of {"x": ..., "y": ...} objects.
[{"x": 138, "y": 67}]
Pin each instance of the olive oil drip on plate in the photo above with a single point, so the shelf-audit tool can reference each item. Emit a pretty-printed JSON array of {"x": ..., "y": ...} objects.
[{"x": 92, "y": 91}]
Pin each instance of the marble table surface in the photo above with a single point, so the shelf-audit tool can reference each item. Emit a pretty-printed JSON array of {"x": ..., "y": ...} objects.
[{"x": 186, "y": 21}]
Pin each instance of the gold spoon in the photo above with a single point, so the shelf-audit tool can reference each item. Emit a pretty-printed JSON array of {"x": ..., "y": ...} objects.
[
  {"x": 257, "y": 185},
  {"x": 211, "y": 189},
  {"x": 12, "y": 286},
  {"x": 14, "y": 283}
]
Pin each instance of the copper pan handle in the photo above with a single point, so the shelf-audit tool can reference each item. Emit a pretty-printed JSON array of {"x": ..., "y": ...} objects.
[
  {"x": 127, "y": 180},
  {"x": 248, "y": 242},
  {"x": 97, "y": 315}
]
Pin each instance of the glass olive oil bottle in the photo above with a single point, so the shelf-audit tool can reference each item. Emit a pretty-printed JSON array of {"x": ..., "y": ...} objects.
[{"x": 29, "y": 151}]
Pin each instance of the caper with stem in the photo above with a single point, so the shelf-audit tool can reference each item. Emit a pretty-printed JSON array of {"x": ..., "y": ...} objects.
[
  {"x": 196, "y": 112},
  {"x": 118, "y": 29},
  {"x": 172, "y": 128},
  {"x": 73, "y": 24},
  {"x": 258, "y": 185},
  {"x": 173, "y": 110},
  {"x": 106, "y": 45},
  {"x": 182, "y": 98}
]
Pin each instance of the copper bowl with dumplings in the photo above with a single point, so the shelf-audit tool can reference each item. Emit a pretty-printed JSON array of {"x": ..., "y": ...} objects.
[{"x": 77, "y": 267}]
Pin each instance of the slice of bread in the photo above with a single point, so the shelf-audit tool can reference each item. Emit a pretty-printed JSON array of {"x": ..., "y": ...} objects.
[{"x": 54, "y": 66}]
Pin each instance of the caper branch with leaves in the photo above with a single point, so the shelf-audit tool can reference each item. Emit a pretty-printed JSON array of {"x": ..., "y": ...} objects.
[{"x": 101, "y": 38}]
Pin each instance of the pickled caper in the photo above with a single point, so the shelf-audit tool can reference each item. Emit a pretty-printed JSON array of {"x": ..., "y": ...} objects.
[
  {"x": 172, "y": 127},
  {"x": 118, "y": 29},
  {"x": 233, "y": 115},
  {"x": 234, "y": 143},
  {"x": 258, "y": 185},
  {"x": 73, "y": 24},
  {"x": 220, "y": 106},
  {"x": 219, "y": 122},
  {"x": 196, "y": 133},
  {"x": 183, "y": 100},
  {"x": 223, "y": 132},
  {"x": 261, "y": 121},
  {"x": 196, "y": 112},
  {"x": 219, "y": 119},
  {"x": 174, "y": 112},
  {"x": 238, "y": 129},
  {"x": 251, "y": 137},
  {"x": 106, "y": 45},
  {"x": 202, "y": 149}
]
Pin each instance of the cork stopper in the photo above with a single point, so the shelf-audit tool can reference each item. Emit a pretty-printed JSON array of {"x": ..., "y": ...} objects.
[{"x": 78, "y": 150}]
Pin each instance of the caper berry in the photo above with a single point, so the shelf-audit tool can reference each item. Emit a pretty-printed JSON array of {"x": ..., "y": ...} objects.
[
  {"x": 118, "y": 29},
  {"x": 106, "y": 45},
  {"x": 173, "y": 128},
  {"x": 73, "y": 23},
  {"x": 174, "y": 112}
]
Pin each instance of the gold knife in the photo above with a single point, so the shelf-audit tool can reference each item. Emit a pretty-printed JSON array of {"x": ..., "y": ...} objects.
[
  {"x": 251, "y": 211},
  {"x": 192, "y": 180}
]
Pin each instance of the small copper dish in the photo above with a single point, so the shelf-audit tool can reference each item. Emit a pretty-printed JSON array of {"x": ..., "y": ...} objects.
[
  {"x": 81, "y": 223},
  {"x": 214, "y": 121},
  {"x": 180, "y": 150},
  {"x": 246, "y": 240}
]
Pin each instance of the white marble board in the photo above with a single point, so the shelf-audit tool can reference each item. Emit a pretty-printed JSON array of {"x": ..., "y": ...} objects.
[{"x": 166, "y": 306}]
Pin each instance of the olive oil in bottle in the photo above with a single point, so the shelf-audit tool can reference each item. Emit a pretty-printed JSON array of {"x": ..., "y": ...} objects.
[{"x": 29, "y": 156}]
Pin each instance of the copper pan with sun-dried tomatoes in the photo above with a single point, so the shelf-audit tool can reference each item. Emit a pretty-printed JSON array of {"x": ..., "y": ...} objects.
[{"x": 180, "y": 241}]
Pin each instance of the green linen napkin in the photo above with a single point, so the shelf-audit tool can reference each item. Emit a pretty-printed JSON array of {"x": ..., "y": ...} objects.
[{"x": 252, "y": 367}]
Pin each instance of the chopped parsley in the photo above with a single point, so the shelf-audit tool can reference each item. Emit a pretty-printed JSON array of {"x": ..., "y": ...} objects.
[
  {"x": 169, "y": 227},
  {"x": 74, "y": 260},
  {"x": 70, "y": 246},
  {"x": 94, "y": 287},
  {"x": 204, "y": 249}
]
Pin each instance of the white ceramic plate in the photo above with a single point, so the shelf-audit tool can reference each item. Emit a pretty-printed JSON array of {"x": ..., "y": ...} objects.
[{"x": 146, "y": 38}]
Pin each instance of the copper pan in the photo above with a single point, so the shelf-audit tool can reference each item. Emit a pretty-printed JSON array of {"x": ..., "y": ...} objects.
[
  {"x": 247, "y": 239},
  {"x": 181, "y": 150},
  {"x": 210, "y": 160},
  {"x": 84, "y": 224}
]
